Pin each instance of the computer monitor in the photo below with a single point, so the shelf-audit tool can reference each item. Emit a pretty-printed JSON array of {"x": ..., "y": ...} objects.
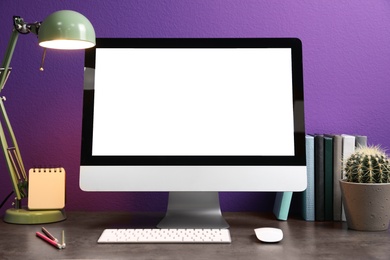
[{"x": 193, "y": 117}]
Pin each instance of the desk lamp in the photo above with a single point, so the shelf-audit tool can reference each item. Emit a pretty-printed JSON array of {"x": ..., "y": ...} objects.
[{"x": 64, "y": 29}]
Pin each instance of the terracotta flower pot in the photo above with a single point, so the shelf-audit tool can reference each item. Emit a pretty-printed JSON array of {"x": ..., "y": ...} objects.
[{"x": 366, "y": 205}]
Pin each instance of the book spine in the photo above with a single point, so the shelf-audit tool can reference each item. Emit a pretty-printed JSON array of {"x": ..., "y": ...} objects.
[
  {"x": 328, "y": 176},
  {"x": 348, "y": 149},
  {"x": 337, "y": 174},
  {"x": 319, "y": 177},
  {"x": 308, "y": 213}
]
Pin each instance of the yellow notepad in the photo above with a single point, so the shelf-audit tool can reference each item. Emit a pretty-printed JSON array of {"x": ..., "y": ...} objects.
[{"x": 46, "y": 188}]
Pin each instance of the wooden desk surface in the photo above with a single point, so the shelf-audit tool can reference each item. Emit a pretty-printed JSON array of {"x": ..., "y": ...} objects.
[{"x": 302, "y": 240}]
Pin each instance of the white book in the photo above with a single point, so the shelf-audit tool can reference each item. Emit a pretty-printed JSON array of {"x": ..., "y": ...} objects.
[{"x": 348, "y": 149}]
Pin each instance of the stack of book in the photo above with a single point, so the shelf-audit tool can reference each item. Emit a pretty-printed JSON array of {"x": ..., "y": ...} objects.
[{"x": 325, "y": 153}]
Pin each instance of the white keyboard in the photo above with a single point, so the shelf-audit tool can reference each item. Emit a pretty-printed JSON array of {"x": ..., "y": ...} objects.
[{"x": 165, "y": 236}]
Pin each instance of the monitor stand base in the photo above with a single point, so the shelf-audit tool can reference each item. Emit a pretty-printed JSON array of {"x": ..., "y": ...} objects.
[{"x": 193, "y": 210}]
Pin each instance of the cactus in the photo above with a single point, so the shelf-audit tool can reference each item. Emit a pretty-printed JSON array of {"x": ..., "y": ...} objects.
[{"x": 368, "y": 165}]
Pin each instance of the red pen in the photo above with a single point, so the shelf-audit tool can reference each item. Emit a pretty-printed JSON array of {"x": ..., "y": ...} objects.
[{"x": 48, "y": 240}]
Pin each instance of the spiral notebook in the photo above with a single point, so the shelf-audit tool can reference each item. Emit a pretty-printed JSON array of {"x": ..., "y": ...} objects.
[{"x": 46, "y": 188}]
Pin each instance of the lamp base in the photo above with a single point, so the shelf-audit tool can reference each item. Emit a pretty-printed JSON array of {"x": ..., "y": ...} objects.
[{"x": 25, "y": 216}]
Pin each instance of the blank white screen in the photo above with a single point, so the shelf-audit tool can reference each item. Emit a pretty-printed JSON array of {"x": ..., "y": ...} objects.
[{"x": 193, "y": 102}]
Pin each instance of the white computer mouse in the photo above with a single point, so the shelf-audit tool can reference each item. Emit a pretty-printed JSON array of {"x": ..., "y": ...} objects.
[{"x": 269, "y": 234}]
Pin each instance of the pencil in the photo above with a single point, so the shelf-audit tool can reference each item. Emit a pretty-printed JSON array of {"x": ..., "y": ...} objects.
[
  {"x": 63, "y": 245},
  {"x": 48, "y": 240},
  {"x": 47, "y": 233}
]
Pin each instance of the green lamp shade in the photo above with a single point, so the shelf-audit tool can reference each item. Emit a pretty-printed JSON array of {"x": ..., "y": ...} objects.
[{"x": 68, "y": 30}]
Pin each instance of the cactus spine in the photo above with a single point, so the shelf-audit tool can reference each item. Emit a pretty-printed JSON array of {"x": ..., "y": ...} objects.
[{"x": 368, "y": 165}]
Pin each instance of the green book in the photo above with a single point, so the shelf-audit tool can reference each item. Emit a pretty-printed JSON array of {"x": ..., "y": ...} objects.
[
  {"x": 337, "y": 175},
  {"x": 328, "y": 177},
  {"x": 319, "y": 172}
]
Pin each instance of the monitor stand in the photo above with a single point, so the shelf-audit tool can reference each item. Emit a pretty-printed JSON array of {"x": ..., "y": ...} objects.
[{"x": 193, "y": 210}]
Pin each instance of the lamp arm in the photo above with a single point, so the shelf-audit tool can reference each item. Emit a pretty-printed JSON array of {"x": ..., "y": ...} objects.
[
  {"x": 19, "y": 184},
  {"x": 12, "y": 154},
  {"x": 20, "y": 27},
  {"x": 7, "y": 58}
]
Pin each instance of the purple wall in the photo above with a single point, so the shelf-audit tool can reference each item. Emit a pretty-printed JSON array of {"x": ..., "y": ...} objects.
[{"x": 346, "y": 48}]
